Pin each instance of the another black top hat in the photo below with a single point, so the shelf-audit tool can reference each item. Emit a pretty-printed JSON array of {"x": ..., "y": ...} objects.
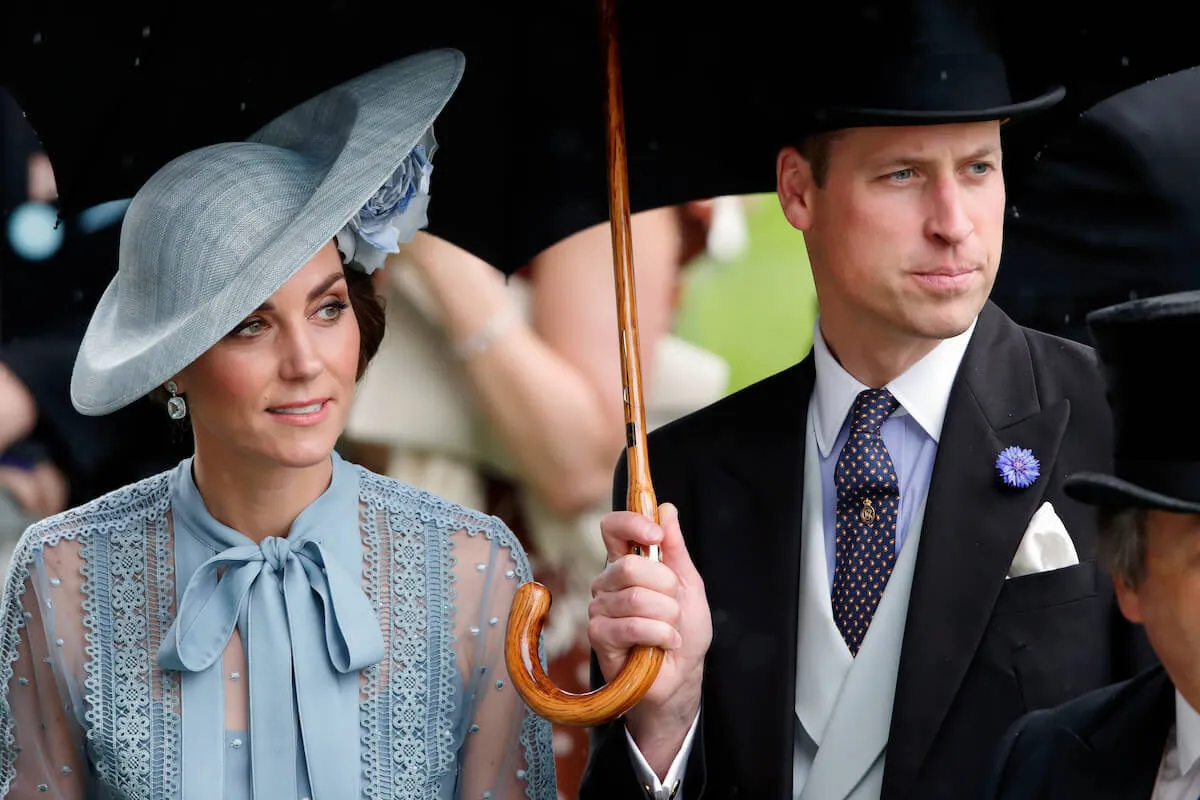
[
  {"x": 1108, "y": 212},
  {"x": 1146, "y": 346},
  {"x": 907, "y": 62}
]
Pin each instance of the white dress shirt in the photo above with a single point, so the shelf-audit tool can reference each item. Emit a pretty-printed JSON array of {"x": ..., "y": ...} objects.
[
  {"x": 1179, "y": 772},
  {"x": 923, "y": 392}
]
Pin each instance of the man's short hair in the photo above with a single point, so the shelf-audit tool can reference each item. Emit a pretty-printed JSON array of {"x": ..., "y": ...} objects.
[
  {"x": 815, "y": 149},
  {"x": 1122, "y": 543}
]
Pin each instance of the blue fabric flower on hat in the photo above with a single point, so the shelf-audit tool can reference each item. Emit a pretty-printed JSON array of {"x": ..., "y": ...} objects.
[
  {"x": 392, "y": 215},
  {"x": 1018, "y": 467}
]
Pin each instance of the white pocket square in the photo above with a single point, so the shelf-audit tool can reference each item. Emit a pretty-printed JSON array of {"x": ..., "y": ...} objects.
[{"x": 1046, "y": 545}]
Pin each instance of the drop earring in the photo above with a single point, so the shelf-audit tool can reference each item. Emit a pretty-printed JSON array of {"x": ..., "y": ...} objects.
[{"x": 176, "y": 406}]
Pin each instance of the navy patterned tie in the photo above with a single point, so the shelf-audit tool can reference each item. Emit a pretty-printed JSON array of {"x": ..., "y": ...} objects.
[{"x": 868, "y": 502}]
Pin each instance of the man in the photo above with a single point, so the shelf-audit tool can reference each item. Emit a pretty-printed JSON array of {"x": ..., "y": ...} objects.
[
  {"x": 1109, "y": 212},
  {"x": 1140, "y": 739},
  {"x": 891, "y": 573}
]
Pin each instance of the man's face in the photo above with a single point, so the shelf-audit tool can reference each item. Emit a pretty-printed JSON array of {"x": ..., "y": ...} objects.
[
  {"x": 1167, "y": 599},
  {"x": 904, "y": 235}
]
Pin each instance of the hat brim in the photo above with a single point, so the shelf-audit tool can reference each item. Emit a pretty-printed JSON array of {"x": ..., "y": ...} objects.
[
  {"x": 852, "y": 117},
  {"x": 390, "y": 109},
  {"x": 1109, "y": 491}
]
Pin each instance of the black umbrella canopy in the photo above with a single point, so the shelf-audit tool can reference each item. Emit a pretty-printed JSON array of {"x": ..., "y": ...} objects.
[
  {"x": 115, "y": 95},
  {"x": 710, "y": 94},
  {"x": 1096, "y": 51}
]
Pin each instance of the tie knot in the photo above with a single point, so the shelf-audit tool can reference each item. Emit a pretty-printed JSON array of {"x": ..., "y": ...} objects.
[
  {"x": 871, "y": 408},
  {"x": 275, "y": 552}
]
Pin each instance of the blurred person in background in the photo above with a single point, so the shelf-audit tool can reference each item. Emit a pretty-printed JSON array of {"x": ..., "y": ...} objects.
[
  {"x": 52, "y": 273},
  {"x": 506, "y": 395}
]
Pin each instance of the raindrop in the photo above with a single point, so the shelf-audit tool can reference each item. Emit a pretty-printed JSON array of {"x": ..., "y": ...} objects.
[
  {"x": 146, "y": 32},
  {"x": 37, "y": 38},
  {"x": 1067, "y": 319},
  {"x": 1124, "y": 61},
  {"x": 1016, "y": 214},
  {"x": 137, "y": 61},
  {"x": 1133, "y": 294},
  {"x": 944, "y": 75},
  {"x": 1037, "y": 156},
  {"x": 242, "y": 105}
]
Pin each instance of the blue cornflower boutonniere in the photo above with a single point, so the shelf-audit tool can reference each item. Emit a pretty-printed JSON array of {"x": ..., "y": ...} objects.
[{"x": 1018, "y": 467}]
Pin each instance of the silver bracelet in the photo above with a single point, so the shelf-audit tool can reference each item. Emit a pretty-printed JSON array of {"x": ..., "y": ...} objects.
[{"x": 479, "y": 342}]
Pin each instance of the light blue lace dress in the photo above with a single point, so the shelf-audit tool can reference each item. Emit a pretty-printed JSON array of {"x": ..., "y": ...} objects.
[{"x": 149, "y": 651}]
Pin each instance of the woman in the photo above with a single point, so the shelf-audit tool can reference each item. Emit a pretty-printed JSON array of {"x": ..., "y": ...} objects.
[{"x": 368, "y": 655}]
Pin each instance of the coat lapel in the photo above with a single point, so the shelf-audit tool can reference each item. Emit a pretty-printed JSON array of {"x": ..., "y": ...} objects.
[
  {"x": 1120, "y": 758},
  {"x": 973, "y": 526},
  {"x": 749, "y": 506}
]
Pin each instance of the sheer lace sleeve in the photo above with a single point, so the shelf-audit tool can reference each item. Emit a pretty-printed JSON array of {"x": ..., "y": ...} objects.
[
  {"x": 41, "y": 665},
  {"x": 507, "y": 750}
]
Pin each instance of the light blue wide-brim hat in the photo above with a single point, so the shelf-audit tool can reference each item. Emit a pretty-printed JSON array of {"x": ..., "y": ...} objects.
[{"x": 214, "y": 233}]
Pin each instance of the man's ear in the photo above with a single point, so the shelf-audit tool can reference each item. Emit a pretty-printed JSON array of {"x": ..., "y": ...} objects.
[
  {"x": 1128, "y": 600},
  {"x": 795, "y": 187}
]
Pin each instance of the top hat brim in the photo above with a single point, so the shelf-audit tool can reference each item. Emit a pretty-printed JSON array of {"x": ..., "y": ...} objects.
[
  {"x": 1108, "y": 491},
  {"x": 855, "y": 117}
]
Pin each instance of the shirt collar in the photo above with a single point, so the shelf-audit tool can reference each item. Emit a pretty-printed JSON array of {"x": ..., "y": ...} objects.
[
  {"x": 1187, "y": 733},
  {"x": 923, "y": 391}
]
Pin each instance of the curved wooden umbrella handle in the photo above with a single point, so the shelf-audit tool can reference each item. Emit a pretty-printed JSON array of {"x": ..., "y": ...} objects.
[
  {"x": 530, "y": 607},
  {"x": 532, "y": 601}
]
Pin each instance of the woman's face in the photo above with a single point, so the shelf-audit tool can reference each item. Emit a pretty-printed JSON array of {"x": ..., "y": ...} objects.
[{"x": 277, "y": 389}]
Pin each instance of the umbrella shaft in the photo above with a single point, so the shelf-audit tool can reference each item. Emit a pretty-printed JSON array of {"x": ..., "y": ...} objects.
[{"x": 640, "y": 496}]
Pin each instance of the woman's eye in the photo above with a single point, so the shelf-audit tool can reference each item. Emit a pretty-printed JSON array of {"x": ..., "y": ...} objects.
[
  {"x": 331, "y": 311},
  {"x": 249, "y": 328}
]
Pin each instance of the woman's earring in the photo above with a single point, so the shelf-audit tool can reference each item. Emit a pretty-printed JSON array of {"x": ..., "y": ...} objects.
[{"x": 176, "y": 406}]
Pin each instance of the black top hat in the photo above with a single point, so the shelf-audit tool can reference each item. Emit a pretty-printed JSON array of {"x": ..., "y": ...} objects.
[
  {"x": 908, "y": 62},
  {"x": 1108, "y": 212},
  {"x": 1146, "y": 349}
]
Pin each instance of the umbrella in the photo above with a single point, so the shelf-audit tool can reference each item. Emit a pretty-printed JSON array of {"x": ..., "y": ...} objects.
[
  {"x": 115, "y": 93},
  {"x": 1092, "y": 50},
  {"x": 708, "y": 94},
  {"x": 709, "y": 97}
]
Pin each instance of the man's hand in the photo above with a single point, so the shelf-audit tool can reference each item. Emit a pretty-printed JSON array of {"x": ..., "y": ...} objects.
[{"x": 637, "y": 601}]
